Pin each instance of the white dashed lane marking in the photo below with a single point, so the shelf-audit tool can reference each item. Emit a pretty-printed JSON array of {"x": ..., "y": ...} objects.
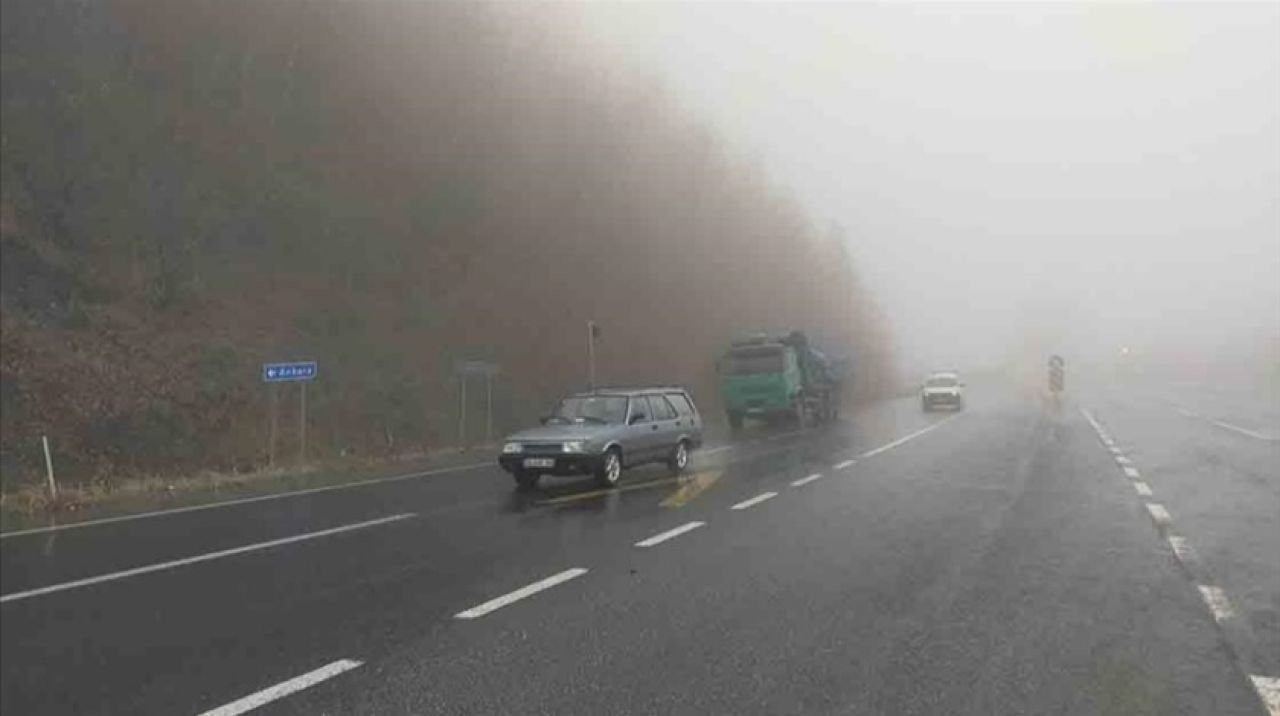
[
  {"x": 1267, "y": 687},
  {"x": 1181, "y": 549},
  {"x": 200, "y": 558},
  {"x": 843, "y": 465},
  {"x": 521, "y": 593},
  {"x": 1159, "y": 514},
  {"x": 1244, "y": 431},
  {"x": 912, "y": 436},
  {"x": 754, "y": 501},
  {"x": 1217, "y": 602},
  {"x": 669, "y": 534},
  {"x": 1269, "y": 691},
  {"x": 284, "y": 688},
  {"x": 806, "y": 480}
]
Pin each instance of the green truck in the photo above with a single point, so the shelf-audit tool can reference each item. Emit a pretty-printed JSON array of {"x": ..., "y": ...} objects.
[{"x": 778, "y": 378}]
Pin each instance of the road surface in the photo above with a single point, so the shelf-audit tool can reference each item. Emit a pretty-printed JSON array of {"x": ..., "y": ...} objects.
[{"x": 1112, "y": 554}]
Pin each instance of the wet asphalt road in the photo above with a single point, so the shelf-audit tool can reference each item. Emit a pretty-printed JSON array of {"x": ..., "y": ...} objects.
[{"x": 1002, "y": 561}]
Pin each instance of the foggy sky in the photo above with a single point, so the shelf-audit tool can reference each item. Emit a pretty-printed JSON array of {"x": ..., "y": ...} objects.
[{"x": 1098, "y": 176}]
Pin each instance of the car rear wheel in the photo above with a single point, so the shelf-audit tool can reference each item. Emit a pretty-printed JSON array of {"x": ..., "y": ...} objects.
[
  {"x": 526, "y": 480},
  {"x": 610, "y": 469},
  {"x": 679, "y": 460}
]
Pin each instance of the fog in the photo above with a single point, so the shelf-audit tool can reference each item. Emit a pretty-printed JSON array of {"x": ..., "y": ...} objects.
[
  {"x": 394, "y": 189},
  {"x": 1011, "y": 178}
]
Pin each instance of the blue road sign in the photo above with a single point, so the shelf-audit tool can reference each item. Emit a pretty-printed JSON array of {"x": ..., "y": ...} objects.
[{"x": 279, "y": 372}]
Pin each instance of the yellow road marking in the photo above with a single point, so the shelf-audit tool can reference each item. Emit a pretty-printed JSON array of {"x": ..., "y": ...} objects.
[
  {"x": 608, "y": 491},
  {"x": 691, "y": 488}
]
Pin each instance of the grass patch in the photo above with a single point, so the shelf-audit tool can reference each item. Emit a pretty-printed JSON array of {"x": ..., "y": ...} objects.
[{"x": 31, "y": 505}]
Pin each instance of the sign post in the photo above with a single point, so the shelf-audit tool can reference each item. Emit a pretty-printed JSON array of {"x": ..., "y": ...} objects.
[
  {"x": 593, "y": 333},
  {"x": 465, "y": 369},
  {"x": 275, "y": 412},
  {"x": 302, "y": 425},
  {"x": 462, "y": 411},
  {"x": 48, "y": 466},
  {"x": 488, "y": 407},
  {"x": 301, "y": 371}
]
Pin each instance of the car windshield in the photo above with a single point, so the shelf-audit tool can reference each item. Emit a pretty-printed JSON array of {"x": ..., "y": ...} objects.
[
  {"x": 592, "y": 408},
  {"x": 753, "y": 361},
  {"x": 941, "y": 381}
]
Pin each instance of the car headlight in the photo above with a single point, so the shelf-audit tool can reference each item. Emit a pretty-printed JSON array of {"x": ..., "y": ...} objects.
[
  {"x": 509, "y": 448},
  {"x": 573, "y": 446}
]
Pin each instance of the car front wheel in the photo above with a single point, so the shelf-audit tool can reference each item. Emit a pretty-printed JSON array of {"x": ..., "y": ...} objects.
[{"x": 610, "y": 468}]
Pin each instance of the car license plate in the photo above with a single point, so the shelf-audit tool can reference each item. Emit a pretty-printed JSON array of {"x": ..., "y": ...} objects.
[{"x": 539, "y": 462}]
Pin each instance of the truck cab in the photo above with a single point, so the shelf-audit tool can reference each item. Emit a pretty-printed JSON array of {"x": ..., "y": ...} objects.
[
  {"x": 767, "y": 378},
  {"x": 759, "y": 379}
]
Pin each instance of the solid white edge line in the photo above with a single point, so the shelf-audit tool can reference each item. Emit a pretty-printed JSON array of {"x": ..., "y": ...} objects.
[
  {"x": 1142, "y": 488},
  {"x": 1159, "y": 514},
  {"x": 1244, "y": 431},
  {"x": 1268, "y": 689},
  {"x": 806, "y": 480},
  {"x": 284, "y": 688},
  {"x": 912, "y": 436},
  {"x": 1132, "y": 472},
  {"x": 521, "y": 593},
  {"x": 843, "y": 465},
  {"x": 754, "y": 501},
  {"x": 1216, "y": 600},
  {"x": 242, "y": 501},
  {"x": 669, "y": 534},
  {"x": 199, "y": 558}
]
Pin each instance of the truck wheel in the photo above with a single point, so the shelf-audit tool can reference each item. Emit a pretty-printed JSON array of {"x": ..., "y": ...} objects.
[
  {"x": 526, "y": 480},
  {"x": 735, "y": 421},
  {"x": 610, "y": 468},
  {"x": 800, "y": 414}
]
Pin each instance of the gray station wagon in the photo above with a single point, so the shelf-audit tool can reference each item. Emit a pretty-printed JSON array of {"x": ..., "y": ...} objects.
[{"x": 603, "y": 431}]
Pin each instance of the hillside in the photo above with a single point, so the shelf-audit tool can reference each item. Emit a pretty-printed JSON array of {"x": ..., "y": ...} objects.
[{"x": 191, "y": 189}]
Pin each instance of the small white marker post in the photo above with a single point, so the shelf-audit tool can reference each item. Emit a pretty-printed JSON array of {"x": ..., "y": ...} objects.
[{"x": 48, "y": 467}]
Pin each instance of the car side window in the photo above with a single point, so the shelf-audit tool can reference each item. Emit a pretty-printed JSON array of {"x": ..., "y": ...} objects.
[
  {"x": 640, "y": 406},
  {"x": 662, "y": 410},
  {"x": 681, "y": 403}
]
